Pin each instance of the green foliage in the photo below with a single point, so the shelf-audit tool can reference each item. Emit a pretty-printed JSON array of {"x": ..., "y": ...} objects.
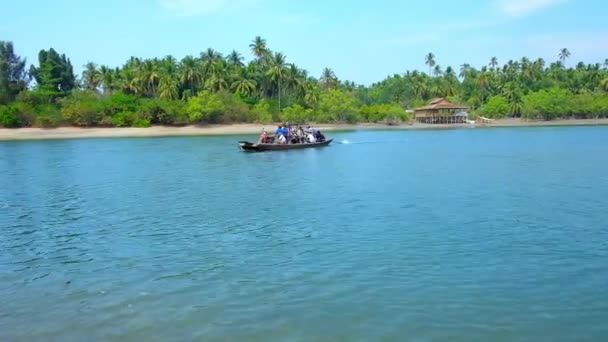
[
  {"x": 212, "y": 88},
  {"x": 141, "y": 123},
  {"x": 48, "y": 116},
  {"x": 589, "y": 105},
  {"x": 387, "y": 113},
  {"x": 497, "y": 107},
  {"x": 205, "y": 107},
  {"x": 547, "y": 104},
  {"x": 119, "y": 102},
  {"x": 262, "y": 112},
  {"x": 235, "y": 110},
  {"x": 163, "y": 112},
  {"x": 54, "y": 73},
  {"x": 124, "y": 119},
  {"x": 12, "y": 73},
  {"x": 9, "y": 117},
  {"x": 338, "y": 106},
  {"x": 37, "y": 97},
  {"x": 82, "y": 108},
  {"x": 296, "y": 114}
]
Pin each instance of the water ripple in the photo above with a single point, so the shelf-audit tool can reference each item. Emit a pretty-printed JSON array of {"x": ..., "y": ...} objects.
[{"x": 187, "y": 238}]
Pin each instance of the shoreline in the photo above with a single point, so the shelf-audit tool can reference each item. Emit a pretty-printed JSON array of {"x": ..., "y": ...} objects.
[{"x": 12, "y": 134}]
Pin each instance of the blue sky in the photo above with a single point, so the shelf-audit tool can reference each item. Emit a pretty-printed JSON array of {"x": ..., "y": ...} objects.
[{"x": 363, "y": 41}]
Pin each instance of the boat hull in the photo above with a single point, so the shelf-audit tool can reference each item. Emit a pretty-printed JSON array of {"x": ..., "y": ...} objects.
[{"x": 251, "y": 147}]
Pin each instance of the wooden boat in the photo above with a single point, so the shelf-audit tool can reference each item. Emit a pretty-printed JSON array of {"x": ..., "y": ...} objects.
[{"x": 251, "y": 147}]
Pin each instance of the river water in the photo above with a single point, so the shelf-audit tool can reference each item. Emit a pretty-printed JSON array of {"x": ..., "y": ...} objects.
[{"x": 468, "y": 234}]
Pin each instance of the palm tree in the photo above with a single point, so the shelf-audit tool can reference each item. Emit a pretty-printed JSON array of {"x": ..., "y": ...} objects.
[
  {"x": 235, "y": 59},
  {"x": 91, "y": 76},
  {"x": 133, "y": 62},
  {"x": 107, "y": 79},
  {"x": 563, "y": 55},
  {"x": 129, "y": 81},
  {"x": 437, "y": 71},
  {"x": 168, "y": 87},
  {"x": 208, "y": 58},
  {"x": 258, "y": 47},
  {"x": 540, "y": 63},
  {"x": 244, "y": 86},
  {"x": 149, "y": 76},
  {"x": 429, "y": 60},
  {"x": 493, "y": 62},
  {"x": 277, "y": 71},
  {"x": 169, "y": 64},
  {"x": 218, "y": 81},
  {"x": 295, "y": 79},
  {"x": 328, "y": 78},
  {"x": 191, "y": 73},
  {"x": 311, "y": 94},
  {"x": 464, "y": 69},
  {"x": 211, "y": 54},
  {"x": 604, "y": 84}
]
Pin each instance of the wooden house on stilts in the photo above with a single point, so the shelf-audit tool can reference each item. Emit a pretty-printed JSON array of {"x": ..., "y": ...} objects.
[{"x": 441, "y": 111}]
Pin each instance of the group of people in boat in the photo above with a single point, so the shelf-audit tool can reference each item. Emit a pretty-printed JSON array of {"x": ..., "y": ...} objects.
[{"x": 287, "y": 134}]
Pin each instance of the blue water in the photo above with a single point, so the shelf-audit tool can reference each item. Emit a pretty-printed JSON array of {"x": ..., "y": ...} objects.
[{"x": 459, "y": 235}]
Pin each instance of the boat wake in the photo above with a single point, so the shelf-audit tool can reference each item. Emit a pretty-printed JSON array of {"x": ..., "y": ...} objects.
[{"x": 347, "y": 142}]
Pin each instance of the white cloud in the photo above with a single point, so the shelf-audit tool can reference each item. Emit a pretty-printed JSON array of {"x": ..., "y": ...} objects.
[
  {"x": 192, "y": 7},
  {"x": 521, "y": 8}
]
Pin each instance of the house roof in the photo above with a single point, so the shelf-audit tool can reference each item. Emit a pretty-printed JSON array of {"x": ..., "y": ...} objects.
[{"x": 440, "y": 103}]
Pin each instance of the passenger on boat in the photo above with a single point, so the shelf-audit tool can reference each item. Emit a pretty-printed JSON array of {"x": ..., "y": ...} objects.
[
  {"x": 320, "y": 137},
  {"x": 281, "y": 135},
  {"x": 288, "y": 133},
  {"x": 263, "y": 137},
  {"x": 311, "y": 138},
  {"x": 300, "y": 135}
]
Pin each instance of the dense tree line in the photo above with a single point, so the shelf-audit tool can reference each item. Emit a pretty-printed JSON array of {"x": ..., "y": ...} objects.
[
  {"x": 524, "y": 88},
  {"x": 213, "y": 88}
]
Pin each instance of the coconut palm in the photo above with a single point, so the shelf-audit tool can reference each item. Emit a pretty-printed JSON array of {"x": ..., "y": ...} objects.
[
  {"x": 149, "y": 76},
  {"x": 604, "y": 84},
  {"x": 563, "y": 55},
  {"x": 429, "y": 60},
  {"x": 190, "y": 73},
  {"x": 211, "y": 54},
  {"x": 311, "y": 94},
  {"x": 244, "y": 86},
  {"x": 129, "y": 82},
  {"x": 235, "y": 59},
  {"x": 328, "y": 78},
  {"x": 294, "y": 79},
  {"x": 258, "y": 48},
  {"x": 168, "y": 87},
  {"x": 218, "y": 80},
  {"x": 464, "y": 69},
  {"x": 108, "y": 79},
  {"x": 493, "y": 62},
  {"x": 437, "y": 71},
  {"x": 277, "y": 71},
  {"x": 208, "y": 58},
  {"x": 91, "y": 76}
]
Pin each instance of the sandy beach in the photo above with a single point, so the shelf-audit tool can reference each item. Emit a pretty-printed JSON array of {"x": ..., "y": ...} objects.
[{"x": 246, "y": 129}]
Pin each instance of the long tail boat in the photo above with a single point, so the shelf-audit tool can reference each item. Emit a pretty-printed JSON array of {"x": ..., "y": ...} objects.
[{"x": 252, "y": 147}]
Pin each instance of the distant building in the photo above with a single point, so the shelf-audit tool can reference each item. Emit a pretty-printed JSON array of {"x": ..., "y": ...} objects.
[{"x": 441, "y": 111}]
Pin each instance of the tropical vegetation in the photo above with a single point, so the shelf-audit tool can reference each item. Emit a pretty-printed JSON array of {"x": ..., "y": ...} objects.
[{"x": 217, "y": 88}]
